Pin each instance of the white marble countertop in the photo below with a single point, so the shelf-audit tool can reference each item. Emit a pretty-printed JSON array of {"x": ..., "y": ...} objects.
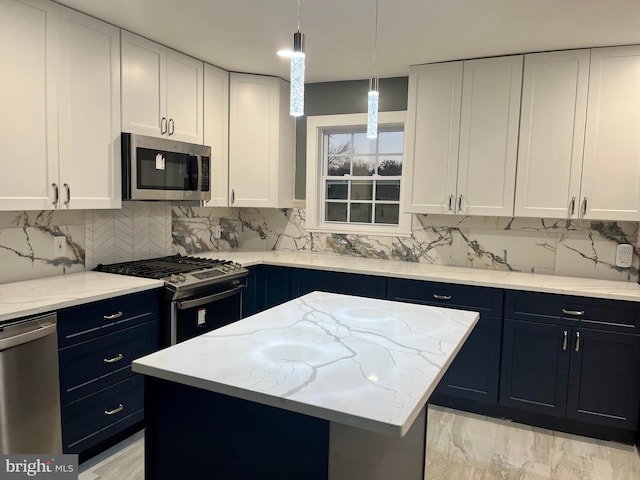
[
  {"x": 31, "y": 297},
  {"x": 363, "y": 362},
  {"x": 534, "y": 282}
]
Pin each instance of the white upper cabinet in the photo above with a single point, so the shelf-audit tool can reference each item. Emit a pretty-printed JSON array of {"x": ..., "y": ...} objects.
[
  {"x": 162, "y": 91},
  {"x": 491, "y": 90},
  {"x": 61, "y": 141},
  {"x": 216, "y": 132},
  {"x": 462, "y": 132},
  {"x": 261, "y": 142},
  {"x": 28, "y": 125},
  {"x": 432, "y": 136},
  {"x": 552, "y": 126},
  {"x": 89, "y": 112},
  {"x": 611, "y": 168}
]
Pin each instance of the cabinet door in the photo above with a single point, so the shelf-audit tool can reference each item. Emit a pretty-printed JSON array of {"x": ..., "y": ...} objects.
[
  {"x": 144, "y": 89},
  {"x": 489, "y": 121},
  {"x": 535, "y": 366},
  {"x": 604, "y": 378},
  {"x": 28, "y": 125},
  {"x": 474, "y": 372},
  {"x": 552, "y": 123},
  {"x": 89, "y": 112},
  {"x": 261, "y": 142},
  {"x": 611, "y": 171},
  {"x": 185, "y": 98},
  {"x": 432, "y": 133},
  {"x": 216, "y": 132}
]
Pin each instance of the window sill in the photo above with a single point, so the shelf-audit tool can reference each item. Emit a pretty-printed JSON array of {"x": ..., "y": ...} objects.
[{"x": 358, "y": 230}]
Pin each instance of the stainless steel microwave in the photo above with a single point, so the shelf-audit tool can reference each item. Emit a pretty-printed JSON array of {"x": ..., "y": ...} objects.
[{"x": 162, "y": 169}]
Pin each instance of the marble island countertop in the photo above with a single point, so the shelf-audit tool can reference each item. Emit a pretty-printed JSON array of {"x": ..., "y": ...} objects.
[
  {"x": 534, "y": 282},
  {"x": 362, "y": 362},
  {"x": 32, "y": 297}
]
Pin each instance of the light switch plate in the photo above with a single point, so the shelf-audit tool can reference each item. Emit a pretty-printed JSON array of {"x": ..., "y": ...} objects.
[{"x": 624, "y": 255}]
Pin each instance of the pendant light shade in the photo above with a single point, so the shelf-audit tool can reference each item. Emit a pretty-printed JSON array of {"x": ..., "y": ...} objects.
[
  {"x": 372, "y": 108},
  {"x": 374, "y": 94},
  {"x": 296, "y": 107}
]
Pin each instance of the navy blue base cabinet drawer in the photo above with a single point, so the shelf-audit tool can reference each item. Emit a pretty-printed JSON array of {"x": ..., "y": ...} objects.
[
  {"x": 304, "y": 281},
  {"x": 90, "y": 366},
  {"x": 97, "y": 417}
]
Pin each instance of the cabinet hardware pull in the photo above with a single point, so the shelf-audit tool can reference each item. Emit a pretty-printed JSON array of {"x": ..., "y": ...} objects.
[
  {"x": 441, "y": 297},
  {"x": 577, "y": 313},
  {"x": 459, "y": 203},
  {"x": 577, "y": 341},
  {"x": 115, "y": 359},
  {"x": 114, "y": 316},
  {"x": 451, "y": 203},
  {"x": 564, "y": 341},
  {"x": 68, "y": 188},
  {"x": 163, "y": 126},
  {"x": 233, "y": 197},
  {"x": 572, "y": 208},
  {"x": 584, "y": 206},
  {"x": 172, "y": 126},
  {"x": 56, "y": 193},
  {"x": 118, "y": 409}
]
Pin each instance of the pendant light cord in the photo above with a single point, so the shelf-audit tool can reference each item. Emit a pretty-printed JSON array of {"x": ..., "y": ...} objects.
[
  {"x": 375, "y": 40},
  {"x": 299, "y": 15}
]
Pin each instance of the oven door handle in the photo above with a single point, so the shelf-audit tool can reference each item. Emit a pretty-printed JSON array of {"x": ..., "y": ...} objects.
[{"x": 196, "y": 302}]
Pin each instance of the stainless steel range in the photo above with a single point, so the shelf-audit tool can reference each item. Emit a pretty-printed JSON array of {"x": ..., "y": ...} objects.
[{"x": 201, "y": 294}]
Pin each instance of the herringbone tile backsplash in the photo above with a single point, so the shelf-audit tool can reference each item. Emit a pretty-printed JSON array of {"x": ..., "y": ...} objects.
[{"x": 137, "y": 231}]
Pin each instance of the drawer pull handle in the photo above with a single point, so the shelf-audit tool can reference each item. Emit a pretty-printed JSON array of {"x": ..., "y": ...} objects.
[
  {"x": 119, "y": 408},
  {"x": 577, "y": 313},
  {"x": 114, "y": 316},
  {"x": 564, "y": 341},
  {"x": 441, "y": 297},
  {"x": 577, "y": 341},
  {"x": 115, "y": 359}
]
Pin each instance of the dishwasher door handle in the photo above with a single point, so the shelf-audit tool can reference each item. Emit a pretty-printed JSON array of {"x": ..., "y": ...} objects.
[
  {"x": 29, "y": 336},
  {"x": 196, "y": 302}
]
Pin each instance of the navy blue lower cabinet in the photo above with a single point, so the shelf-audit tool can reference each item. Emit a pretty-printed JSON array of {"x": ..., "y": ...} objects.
[
  {"x": 604, "y": 378},
  {"x": 474, "y": 372},
  {"x": 267, "y": 286},
  {"x": 304, "y": 281},
  {"x": 535, "y": 367}
]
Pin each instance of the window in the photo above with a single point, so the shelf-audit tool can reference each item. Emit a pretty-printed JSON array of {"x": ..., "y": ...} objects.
[{"x": 353, "y": 183}]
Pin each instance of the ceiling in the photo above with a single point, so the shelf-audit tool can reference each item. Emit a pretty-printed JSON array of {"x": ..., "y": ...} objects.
[{"x": 244, "y": 35}]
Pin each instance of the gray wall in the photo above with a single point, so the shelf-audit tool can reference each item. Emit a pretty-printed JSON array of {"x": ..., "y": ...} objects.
[{"x": 334, "y": 98}]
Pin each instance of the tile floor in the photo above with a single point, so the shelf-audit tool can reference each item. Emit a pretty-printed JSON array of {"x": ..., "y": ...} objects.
[{"x": 460, "y": 446}]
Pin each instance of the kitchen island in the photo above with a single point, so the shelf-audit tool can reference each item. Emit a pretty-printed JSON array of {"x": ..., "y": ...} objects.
[{"x": 325, "y": 386}]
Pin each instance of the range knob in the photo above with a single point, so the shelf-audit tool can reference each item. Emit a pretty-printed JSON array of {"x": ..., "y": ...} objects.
[
  {"x": 173, "y": 278},
  {"x": 181, "y": 277}
]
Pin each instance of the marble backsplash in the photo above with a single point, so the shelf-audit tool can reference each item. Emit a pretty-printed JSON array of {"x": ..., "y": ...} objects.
[
  {"x": 558, "y": 247},
  {"x": 149, "y": 229}
]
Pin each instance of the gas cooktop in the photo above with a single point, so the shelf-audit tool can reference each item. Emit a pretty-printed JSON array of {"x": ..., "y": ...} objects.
[{"x": 179, "y": 272}]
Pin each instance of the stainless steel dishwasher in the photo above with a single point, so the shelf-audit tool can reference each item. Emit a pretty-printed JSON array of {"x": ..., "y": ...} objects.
[{"x": 29, "y": 386}]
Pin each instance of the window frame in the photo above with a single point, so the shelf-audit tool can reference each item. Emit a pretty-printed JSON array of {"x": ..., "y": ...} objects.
[{"x": 316, "y": 127}]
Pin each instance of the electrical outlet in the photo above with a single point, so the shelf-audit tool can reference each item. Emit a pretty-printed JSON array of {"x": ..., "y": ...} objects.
[
  {"x": 624, "y": 255},
  {"x": 60, "y": 246},
  {"x": 217, "y": 231}
]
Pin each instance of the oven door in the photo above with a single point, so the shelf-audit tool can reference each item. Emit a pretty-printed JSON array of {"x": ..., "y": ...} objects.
[{"x": 196, "y": 315}]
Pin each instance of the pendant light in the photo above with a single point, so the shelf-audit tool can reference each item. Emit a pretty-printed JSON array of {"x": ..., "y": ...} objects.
[
  {"x": 296, "y": 106},
  {"x": 373, "y": 95}
]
